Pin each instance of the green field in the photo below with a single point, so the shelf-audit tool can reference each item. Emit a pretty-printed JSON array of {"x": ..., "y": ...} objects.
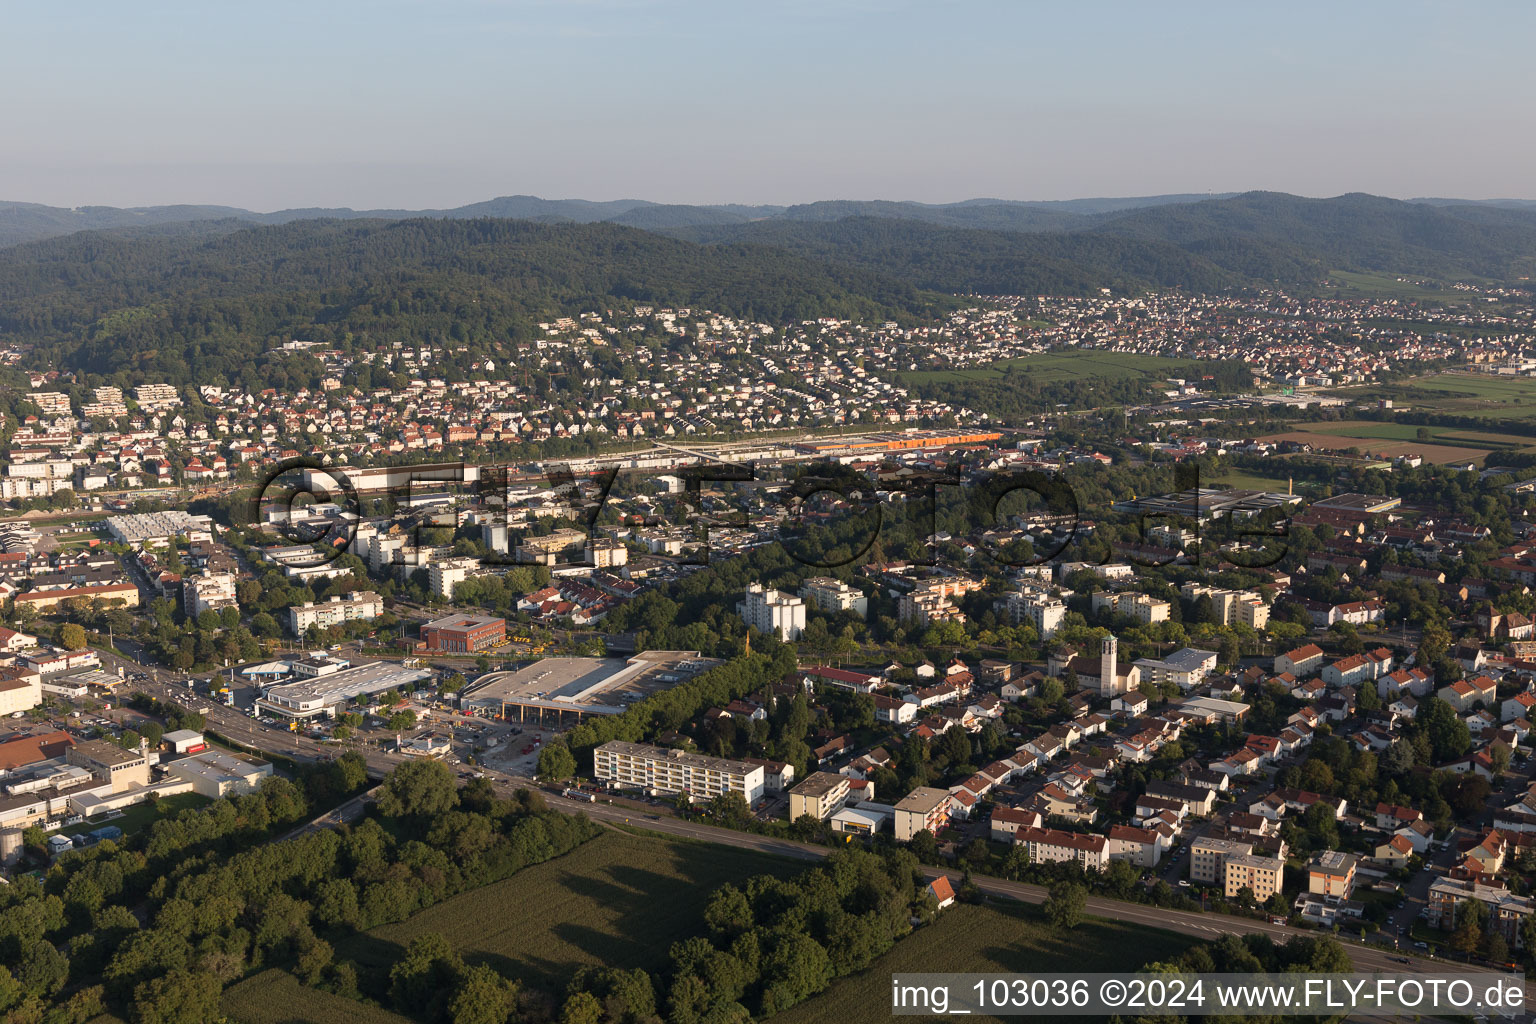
[
  {"x": 1004, "y": 938},
  {"x": 1469, "y": 394},
  {"x": 1455, "y": 436},
  {"x": 620, "y": 900},
  {"x": 277, "y": 997},
  {"x": 1387, "y": 286},
  {"x": 1074, "y": 365}
]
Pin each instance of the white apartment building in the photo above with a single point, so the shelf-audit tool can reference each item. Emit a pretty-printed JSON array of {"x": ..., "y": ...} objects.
[
  {"x": 1187, "y": 667},
  {"x": 210, "y": 591},
  {"x": 1042, "y": 609},
  {"x": 445, "y": 574},
  {"x": 360, "y": 604},
  {"x": 1145, "y": 610},
  {"x": 156, "y": 396},
  {"x": 773, "y": 611},
  {"x": 660, "y": 770},
  {"x": 1049, "y": 846},
  {"x": 834, "y": 596},
  {"x": 1231, "y": 606}
]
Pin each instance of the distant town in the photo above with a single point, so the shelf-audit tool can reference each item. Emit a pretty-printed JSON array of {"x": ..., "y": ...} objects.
[{"x": 1267, "y": 660}]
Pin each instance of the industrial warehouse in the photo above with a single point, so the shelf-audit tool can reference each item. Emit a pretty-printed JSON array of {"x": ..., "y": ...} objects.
[
  {"x": 580, "y": 686},
  {"x": 327, "y": 685}
]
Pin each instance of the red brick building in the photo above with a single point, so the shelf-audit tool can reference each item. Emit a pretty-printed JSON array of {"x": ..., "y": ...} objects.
[{"x": 464, "y": 634}]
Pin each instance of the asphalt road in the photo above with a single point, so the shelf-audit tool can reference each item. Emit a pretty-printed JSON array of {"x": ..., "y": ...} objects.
[
  {"x": 1201, "y": 925},
  {"x": 243, "y": 729}
]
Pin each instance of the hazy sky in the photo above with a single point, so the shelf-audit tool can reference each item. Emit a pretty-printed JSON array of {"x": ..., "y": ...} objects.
[{"x": 436, "y": 103}]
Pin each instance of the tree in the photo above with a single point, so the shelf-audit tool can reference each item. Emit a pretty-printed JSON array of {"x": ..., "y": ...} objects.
[
  {"x": 483, "y": 997},
  {"x": 430, "y": 966},
  {"x": 72, "y": 636},
  {"x": 731, "y": 810},
  {"x": 418, "y": 788},
  {"x": 556, "y": 763},
  {"x": 180, "y": 997},
  {"x": 1017, "y": 861},
  {"x": 581, "y": 1008},
  {"x": 925, "y": 846},
  {"x": 1064, "y": 907}
]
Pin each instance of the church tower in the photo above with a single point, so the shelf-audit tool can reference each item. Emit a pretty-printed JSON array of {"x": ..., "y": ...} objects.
[{"x": 1108, "y": 664}]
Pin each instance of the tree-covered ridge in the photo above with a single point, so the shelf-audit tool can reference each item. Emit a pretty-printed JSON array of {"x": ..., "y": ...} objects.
[{"x": 194, "y": 309}]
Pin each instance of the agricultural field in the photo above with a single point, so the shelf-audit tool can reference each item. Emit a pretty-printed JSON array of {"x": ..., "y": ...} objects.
[
  {"x": 1438, "y": 445},
  {"x": 1462, "y": 394},
  {"x": 1002, "y": 938},
  {"x": 1243, "y": 479},
  {"x": 277, "y": 997},
  {"x": 620, "y": 900},
  {"x": 1357, "y": 285},
  {"x": 1051, "y": 367}
]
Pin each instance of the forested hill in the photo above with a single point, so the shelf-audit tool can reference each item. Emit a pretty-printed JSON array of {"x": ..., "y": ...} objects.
[
  {"x": 1352, "y": 232},
  {"x": 183, "y": 308},
  {"x": 1016, "y": 263}
]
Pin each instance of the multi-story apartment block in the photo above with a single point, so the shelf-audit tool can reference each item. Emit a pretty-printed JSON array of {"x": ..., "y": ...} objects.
[
  {"x": 1145, "y": 610},
  {"x": 1506, "y": 911},
  {"x": 446, "y": 573},
  {"x": 553, "y": 548},
  {"x": 1208, "y": 858},
  {"x": 923, "y": 808},
  {"x": 51, "y": 403},
  {"x": 606, "y": 553},
  {"x": 156, "y": 396},
  {"x": 210, "y": 591},
  {"x": 1263, "y": 876},
  {"x": 358, "y": 605},
  {"x": 1186, "y": 668},
  {"x": 834, "y": 596},
  {"x": 772, "y": 611},
  {"x": 660, "y": 770},
  {"x": 1332, "y": 873},
  {"x": 1041, "y": 608},
  {"x": 1049, "y": 846},
  {"x": 1229, "y": 607},
  {"x": 820, "y": 796}
]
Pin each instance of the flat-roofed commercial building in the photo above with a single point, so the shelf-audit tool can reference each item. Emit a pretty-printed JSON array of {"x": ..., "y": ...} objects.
[
  {"x": 660, "y": 770},
  {"x": 464, "y": 634},
  {"x": 216, "y": 774},
  {"x": 156, "y": 527},
  {"x": 580, "y": 686},
  {"x": 316, "y": 695},
  {"x": 821, "y": 794},
  {"x": 110, "y": 763},
  {"x": 923, "y": 808}
]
